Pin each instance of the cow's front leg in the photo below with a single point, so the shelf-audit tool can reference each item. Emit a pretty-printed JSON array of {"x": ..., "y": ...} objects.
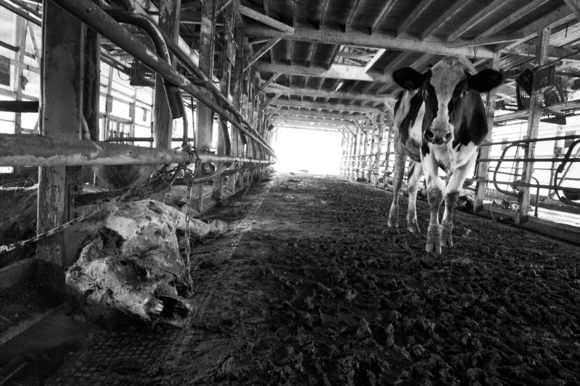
[
  {"x": 451, "y": 195},
  {"x": 435, "y": 189},
  {"x": 398, "y": 172},
  {"x": 415, "y": 173}
]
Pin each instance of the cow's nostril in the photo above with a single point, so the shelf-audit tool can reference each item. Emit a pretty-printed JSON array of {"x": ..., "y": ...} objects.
[
  {"x": 447, "y": 137},
  {"x": 428, "y": 135}
]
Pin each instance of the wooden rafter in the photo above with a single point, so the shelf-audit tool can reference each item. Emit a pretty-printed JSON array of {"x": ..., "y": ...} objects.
[
  {"x": 352, "y": 15},
  {"x": 327, "y": 121},
  {"x": 326, "y": 106},
  {"x": 512, "y": 18},
  {"x": 265, "y": 48},
  {"x": 574, "y": 6},
  {"x": 382, "y": 15},
  {"x": 452, "y": 11},
  {"x": 475, "y": 19},
  {"x": 248, "y": 12},
  {"x": 336, "y": 71},
  {"x": 375, "y": 58},
  {"x": 418, "y": 9},
  {"x": 268, "y": 82},
  {"x": 359, "y": 38},
  {"x": 326, "y": 94},
  {"x": 320, "y": 114}
]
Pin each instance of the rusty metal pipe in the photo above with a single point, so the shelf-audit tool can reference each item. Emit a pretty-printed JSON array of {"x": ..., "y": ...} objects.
[
  {"x": 97, "y": 19},
  {"x": 154, "y": 33},
  {"x": 36, "y": 150}
]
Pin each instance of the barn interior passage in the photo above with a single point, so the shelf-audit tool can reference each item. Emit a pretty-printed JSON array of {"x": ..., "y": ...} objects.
[
  {"x": 310, "y": 284},
  {"x": 222, "y": 192}
]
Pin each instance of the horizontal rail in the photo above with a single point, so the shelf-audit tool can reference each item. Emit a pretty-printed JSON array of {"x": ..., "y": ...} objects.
[
  {"x": 97, "y": 19},
  {"x": 531, "y": 140},
  {"x": 528, "y": 160},
  {"x": 35, "y": 150}
]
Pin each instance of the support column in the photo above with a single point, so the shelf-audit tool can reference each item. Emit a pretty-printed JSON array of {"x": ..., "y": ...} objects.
[
  {"x": 372, "y": 158},
  {"x": 62, "y": 113},
  {"x": 237, "y": 91},
  {"x": 485, "y": 151},
  {"x": 355, "y": 153},
  {"x": 228, "y": 57},
  {"x": 169, "y": 11},
  {"x": 205, "y": 114},
  {"x": 387, "y": 155},
  {"x": 536, "y": 110},
  {"x": 381, "y": 129},
  {"x": 364, "y": 159}
]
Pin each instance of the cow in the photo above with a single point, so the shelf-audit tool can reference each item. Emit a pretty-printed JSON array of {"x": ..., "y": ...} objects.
[{"x": 439, "y": 122}]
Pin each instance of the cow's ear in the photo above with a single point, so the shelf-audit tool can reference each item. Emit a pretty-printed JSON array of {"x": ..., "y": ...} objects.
[
  {"x": 408, "y": 78},
  {"x": 485, "y": 80}
]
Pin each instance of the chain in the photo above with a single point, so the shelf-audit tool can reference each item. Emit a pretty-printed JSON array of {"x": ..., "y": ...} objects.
[
  {"x": 189, "y": 177},
  {"x": 162, "y": 173}
]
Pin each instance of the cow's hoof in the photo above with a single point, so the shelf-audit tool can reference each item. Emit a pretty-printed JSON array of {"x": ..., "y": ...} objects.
[
  {"x": 446, "y": 235},
  {"x": 433, "y": 243},
  {"x": 413, "y": 227},
  {"x": 154, "y": 305}
]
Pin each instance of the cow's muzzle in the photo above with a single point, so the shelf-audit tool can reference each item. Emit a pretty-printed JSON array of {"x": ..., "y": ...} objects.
[{"x": 436, "y": 139}]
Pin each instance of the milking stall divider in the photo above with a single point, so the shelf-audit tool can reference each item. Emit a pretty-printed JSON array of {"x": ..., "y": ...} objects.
[{"x": 70, "y": 99}]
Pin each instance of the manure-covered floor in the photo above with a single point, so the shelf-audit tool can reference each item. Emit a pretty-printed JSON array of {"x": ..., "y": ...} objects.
[{"x": 310, "y": 287}]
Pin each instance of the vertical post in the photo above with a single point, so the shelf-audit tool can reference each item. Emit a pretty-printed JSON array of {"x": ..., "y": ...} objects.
[
  {"x": 169, "y": 11},
  {"x": 485, "y": 151},
  {"x": 342, "y": 151},
  {"x": 355, "y": 152},
  {"x": 204, "y": 113},
  {"x": 536, "y": 111},
  {"x": 228, "y": 57},
  {"x": 379, "y": 145},
  {"x": 21, "y": 31},
  {"x": 387, "y": 156},
  {"x": 347, "y": 159},
  {"x": 364, "y": 156},
  {"x": 62, "y": 111},
  {"x": 237, "y": 88},
  {"x": 372, "y": 158}
]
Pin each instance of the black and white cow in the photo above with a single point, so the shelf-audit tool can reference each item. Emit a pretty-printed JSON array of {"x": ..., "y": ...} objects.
[{"x": 440, "y": 121}]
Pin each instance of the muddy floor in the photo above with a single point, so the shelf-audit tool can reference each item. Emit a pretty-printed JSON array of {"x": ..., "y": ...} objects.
[{"x": 318, "y": 291}]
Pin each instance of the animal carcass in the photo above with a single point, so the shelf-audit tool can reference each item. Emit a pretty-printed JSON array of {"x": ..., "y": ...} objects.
[{"x": 133, "y": 263}]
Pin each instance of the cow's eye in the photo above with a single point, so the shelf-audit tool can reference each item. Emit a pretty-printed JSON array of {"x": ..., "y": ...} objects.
[{"x": 425, "y": 94}]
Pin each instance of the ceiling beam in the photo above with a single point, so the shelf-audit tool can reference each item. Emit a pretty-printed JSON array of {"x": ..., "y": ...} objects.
[
  {"x": 336, "y": 71},
  {"x": 325, "y": 121},
  {"x": 573, "y": 5},
  {"x": 475, "y": 19},
  {"x": 321, "y": 114},
  {"x": 248, "y": 12},
  {"x": 557, "y": 17},
  {"x": 310, "y": 128},
  {"x": 382, "y": 15},
  {"x": 265, "y": 48},
  {"x": 554, "y": 53},
  {"x": 328, "y": 94},
  {"x": 352, "y": 15},
  {"x": 375, "y": 58},
  {"x": 268, "y": 82},
  {"x": 482, "y": 41},
  {"x": 452, "y": 11},
  {"x": 326, "y": 106},
  {"x": 378, "y": 40},
  {"x": 512, "y": 18},
  {"x": 417, "y": 10}
]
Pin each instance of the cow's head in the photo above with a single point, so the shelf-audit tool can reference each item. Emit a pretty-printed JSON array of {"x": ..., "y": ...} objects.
[{"x": 445, "y": 87}]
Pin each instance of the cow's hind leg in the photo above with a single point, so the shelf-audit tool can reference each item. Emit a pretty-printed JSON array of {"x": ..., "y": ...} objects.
[
  {"x": 398, "y": 172},
  {"x": 415, "y": 173},
  {"x": 451, "y": 194}
]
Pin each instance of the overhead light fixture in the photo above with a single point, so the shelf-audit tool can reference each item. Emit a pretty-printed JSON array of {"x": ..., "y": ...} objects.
[{"x": 339, "y": 85}]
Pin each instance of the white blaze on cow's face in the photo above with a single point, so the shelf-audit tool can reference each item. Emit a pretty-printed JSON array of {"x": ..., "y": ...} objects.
[{"x": 445, "y": 76}]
